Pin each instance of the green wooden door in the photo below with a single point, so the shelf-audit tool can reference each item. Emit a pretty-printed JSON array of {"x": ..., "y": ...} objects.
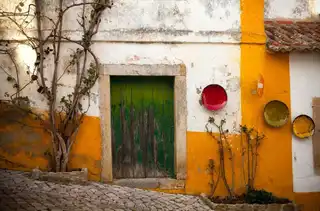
[{"x": 142, "y": 126}]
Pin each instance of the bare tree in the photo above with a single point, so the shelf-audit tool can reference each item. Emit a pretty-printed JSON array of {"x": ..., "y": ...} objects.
[{"x": 65, "y": 114}]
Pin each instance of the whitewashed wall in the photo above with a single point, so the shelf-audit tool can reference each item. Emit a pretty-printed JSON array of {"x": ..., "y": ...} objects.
[
  {"x": 151, "y": 20},
  {"x": 198, "y": 28},
  {"x": 25, "y": 58},
  {"x": 205, "y": 64},
  {"x": 202, "y": 35},
  {"x": 304, "y": 80},
  {"x": 289, "y": 9}
]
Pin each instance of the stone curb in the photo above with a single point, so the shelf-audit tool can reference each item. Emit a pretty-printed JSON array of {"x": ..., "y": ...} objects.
[
  {"x": 207, "y": 201},
  {"x": 249, "y": 207},
  {"x": 73, "y": 177}
]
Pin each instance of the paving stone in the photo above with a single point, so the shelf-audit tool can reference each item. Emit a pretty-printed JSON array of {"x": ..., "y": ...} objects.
[
  {"x": 19, "y": 192},
  {"x": 130, "y": 204}
]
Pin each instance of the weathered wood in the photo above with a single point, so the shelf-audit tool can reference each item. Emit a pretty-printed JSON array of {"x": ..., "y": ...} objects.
[
  {"x": 131, "y": 129},
  {"x": 142, "y": 119},
  {"x": 316, "y": 136}
]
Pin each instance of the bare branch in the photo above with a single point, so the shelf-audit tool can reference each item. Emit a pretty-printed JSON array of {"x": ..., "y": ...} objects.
[
  {"x": 40, "y": 54},
  {"x": 15, "y": 14},
  {"x": 86, "y": 3},
  {"x": 17, "y": 72},
  {"x": 21, "y": 89},
  {"x": 64, "y": 130}
]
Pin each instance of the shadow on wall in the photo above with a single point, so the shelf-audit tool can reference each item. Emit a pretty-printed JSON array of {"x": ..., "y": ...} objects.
[{"x": 25, "y": 145}]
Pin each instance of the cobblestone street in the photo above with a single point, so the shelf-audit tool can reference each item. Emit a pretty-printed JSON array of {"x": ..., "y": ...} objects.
[{"x": 19, "y": 192}]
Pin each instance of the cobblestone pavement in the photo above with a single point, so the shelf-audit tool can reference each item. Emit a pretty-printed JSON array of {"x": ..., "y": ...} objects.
[{"x": 19, "y": 192}]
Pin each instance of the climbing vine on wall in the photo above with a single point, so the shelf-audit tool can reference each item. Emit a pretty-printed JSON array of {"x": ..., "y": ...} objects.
[
  {"x": 250, "y": 141},
  {"x": 65, "y": 114},
  {"x": 219, "y": 168}
]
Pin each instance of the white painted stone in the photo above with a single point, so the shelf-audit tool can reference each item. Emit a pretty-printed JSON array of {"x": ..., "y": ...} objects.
[
  {"x": 288, "y": 9},
  {"x": 190, "y": 23},
  {"x": 25, "y": 58},
  {"x": 150, "y": 21},
  {"x": 304, "y": 82},
  {"x": 205, "y": 64}
]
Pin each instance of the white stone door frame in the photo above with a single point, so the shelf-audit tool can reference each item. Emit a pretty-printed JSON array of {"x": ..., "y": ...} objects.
[{"x": 180, "y": 111}]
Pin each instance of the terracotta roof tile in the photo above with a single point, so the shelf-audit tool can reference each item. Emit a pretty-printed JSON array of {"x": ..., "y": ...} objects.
[{"x": 287, "y": 36}]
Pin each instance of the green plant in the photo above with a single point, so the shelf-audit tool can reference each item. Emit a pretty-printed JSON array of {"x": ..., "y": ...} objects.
[{"x": 263, "y": 197}]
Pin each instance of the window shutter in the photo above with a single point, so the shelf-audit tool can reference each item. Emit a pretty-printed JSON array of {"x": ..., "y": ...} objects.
[{"x": 316, "y": 136}]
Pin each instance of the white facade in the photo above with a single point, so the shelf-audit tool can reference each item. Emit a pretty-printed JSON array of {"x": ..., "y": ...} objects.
[
  {"x": 203, "y": 35},
  {"x": 200, "y": 34},
  {"x": 304, "y": 82},
  {"x": 206, "y": 64},
  {"x": 290, "y": 9}
]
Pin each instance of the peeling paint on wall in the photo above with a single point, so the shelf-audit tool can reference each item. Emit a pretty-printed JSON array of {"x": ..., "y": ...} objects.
[
  {"x": 212, "y": 5},
  {"x": 291, "y": 9},
  {"x": 211, "y": 64},
  {"x": 155, "y": 21}
]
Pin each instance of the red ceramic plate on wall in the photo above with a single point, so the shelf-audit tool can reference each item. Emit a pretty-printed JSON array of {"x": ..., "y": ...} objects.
[{"x": 214, "y": 97}]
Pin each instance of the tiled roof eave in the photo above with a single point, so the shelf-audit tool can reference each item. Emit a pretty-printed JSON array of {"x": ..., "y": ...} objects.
[{"x": 289, "y": 36}]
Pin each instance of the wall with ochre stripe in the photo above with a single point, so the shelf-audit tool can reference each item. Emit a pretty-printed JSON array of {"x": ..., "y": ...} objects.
[
  {"x": 291, "y": 79},
  {"x": 220, "y": 42}
]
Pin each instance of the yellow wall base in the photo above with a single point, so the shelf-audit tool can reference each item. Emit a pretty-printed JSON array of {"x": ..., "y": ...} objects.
[{"x": 27, "y": 148}]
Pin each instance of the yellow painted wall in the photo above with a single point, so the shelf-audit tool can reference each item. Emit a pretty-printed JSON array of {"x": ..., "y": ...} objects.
[
  {"x": 86, "y": 152},
  {"x": 274, "y": 171},
  {"x": 30, "y": 145},
  {"x": 276, "y": 155},
  {"x": 27, "y": 147},
  {"x": 200, "y": 148}
]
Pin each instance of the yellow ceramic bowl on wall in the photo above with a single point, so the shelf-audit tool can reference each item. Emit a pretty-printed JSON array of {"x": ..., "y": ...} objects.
[
  {"x": 303, "y": 126},
  {"x": 276, "y": 113}
]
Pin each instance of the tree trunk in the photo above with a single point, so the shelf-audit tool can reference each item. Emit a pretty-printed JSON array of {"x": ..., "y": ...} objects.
[
  {"x": 64, "y": 162},
  {"x": 61, "y": 161},
  {"x": 58, "y": 161}
]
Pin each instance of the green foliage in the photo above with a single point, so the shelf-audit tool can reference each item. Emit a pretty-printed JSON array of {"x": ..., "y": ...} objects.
[
  {"x": 87, "y": 82},
  {"x": 254, "y": 196},
  {"x": 66, "y": 102}
]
